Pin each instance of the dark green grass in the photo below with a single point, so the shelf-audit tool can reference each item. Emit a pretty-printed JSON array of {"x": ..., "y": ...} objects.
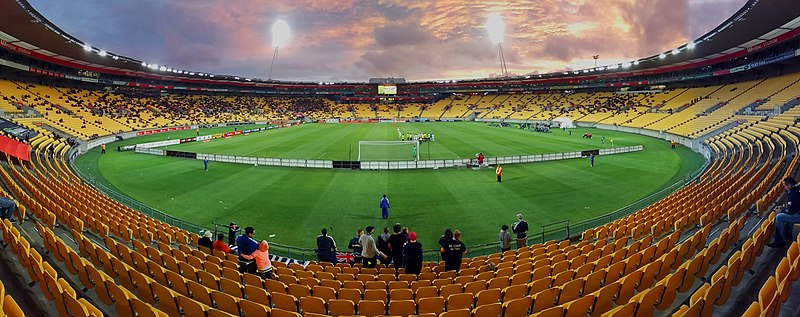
[{"x": 295, "y": 203}]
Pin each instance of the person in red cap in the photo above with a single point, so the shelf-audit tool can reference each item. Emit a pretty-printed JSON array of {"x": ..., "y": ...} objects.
[{"x": 412, "y": 253}]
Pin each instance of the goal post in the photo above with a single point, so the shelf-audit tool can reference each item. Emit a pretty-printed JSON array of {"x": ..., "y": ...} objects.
[{"x": 388, "y": 150}]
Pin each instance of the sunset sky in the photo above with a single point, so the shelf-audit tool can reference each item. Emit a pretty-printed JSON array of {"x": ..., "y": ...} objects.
[{"x": 355, "y": 40}]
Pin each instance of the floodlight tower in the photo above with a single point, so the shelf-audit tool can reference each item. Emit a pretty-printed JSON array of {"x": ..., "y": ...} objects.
[
  {"x": 280, "y": 35},
  {"x": 496, "y": 29}
]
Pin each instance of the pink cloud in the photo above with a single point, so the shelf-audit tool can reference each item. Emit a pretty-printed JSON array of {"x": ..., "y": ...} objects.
[{"x": 355, "y": 40}]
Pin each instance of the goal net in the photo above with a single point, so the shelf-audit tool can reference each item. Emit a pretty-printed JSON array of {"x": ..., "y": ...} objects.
[{"x": 388, "y": 150}]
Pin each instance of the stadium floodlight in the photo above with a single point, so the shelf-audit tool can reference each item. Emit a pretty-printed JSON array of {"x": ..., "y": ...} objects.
[
  {"x": 162, "y": 68},
  {"x": 635, "y": 62},
  {"x": 675, "y": 51},
  {"x": 496, "y": 28},
  {"x": 115, "y": 57},
  {"x": 691, "y": 45},
  {"x": 280, "y": 36},
  {"x": 144, "y": 64},
  {"x": 626, "y": 64},
  {"x": 662, "y": 56},
  {"x": 102, "y": 53},
  {"x": 87, "y": 47}
]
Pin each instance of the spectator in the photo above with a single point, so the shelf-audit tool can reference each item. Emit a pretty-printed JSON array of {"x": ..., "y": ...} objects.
[
  {"x": 505, "y": 239},
  {"x": 261, "y": 257},
  {"x": 220, "y": 244},
  {"x": 520, "y": 228},
  {"x": 247, "y": 245},
  {"x": 396, "y": 242},
  {"x": 443, "y": 241},
  {"x": 454, "y": 252},
  {"x": 7, "y": 208},
  {"x": 370, "y": 252},
  {"x": 205, "y": 240},
  {"x": 233, "y": 231},
  {"x": 383, "y": 245},
  {"x": 787, "y": 215},
  {"x": 355, "y": 245},
  {"x": 326, "y": 247},
  {"x": 412, "y": 253}
]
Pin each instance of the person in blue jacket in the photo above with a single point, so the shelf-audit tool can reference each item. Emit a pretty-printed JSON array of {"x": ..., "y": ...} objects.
[{"x": 384, "y": 207}]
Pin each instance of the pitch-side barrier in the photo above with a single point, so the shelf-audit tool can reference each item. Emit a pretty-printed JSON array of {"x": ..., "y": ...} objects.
[{"x": 387, "y": 165}]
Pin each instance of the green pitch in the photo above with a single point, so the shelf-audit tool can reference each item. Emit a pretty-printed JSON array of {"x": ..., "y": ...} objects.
[{"x": 295, "y": 203}]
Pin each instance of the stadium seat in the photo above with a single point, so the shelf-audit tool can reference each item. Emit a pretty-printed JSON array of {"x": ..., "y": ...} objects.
[
  {"x": 402, "y": 307},
  {"x": 251, "y": 308},
  {"x": 544, "y": 299},
  {"x": 371, "y": 308},
  {"x": 519, "y": 307},
  {"x": 341, "y": 307},
  {"x": 488, "y": 310},
  {"x": 312, "y": 304},
  {"x": 353, "y": 295},
  {"x": 431, "y": 305},
  {"x": 579, "y": 307},
  {"x": 226, "y": 302}
]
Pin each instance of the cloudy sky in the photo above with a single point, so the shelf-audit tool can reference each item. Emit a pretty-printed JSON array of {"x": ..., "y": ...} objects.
[{"x": 355, "y": 39}]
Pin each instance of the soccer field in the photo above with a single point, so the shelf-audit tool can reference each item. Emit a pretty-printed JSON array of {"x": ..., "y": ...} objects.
[{"x": 293, "y": 204}]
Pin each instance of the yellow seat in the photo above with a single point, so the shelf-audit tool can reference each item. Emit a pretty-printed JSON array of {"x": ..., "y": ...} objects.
[
  {"x": 284, "y": 301},
  {"x": 341, "y": 307},
  {"x": 519, "y": 307},
  {"x": 371, "y": 308},
  {"x": 353, "y": 295},
  {"x": 544, "y": 299},
  {"x": 257, "y": 294},
  {"x": 488, "y": 310},
  {"x": 579, "y": 307},
  {"x": 401, "y": 294},
  {"x": 312, "y": 304},
  {"x": 225, "y": 302},
  {"x": 430, "y": 305},
  {"x": 403, "y": 307},
  {"x": 489, "y": 296},
  {"x": 250, "y": 308},
  {"x": 143, "y": 309}
]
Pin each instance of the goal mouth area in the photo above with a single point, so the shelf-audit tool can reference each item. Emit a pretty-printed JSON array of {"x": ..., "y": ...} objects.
[{"x": 388, "y": 150}]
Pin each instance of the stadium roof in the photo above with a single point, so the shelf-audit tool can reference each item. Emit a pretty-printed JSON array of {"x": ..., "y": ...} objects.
[{"x": 25, "y": 30}]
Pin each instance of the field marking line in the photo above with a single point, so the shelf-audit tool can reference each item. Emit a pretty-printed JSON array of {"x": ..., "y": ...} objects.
[{"x": 321, "y": 155}]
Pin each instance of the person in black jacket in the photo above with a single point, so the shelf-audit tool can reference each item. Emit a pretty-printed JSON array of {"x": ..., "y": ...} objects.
[
  {"x": 396, "y": 242},
  {"x": 520, "y": 228},
  {"x": 356, "y": 246},
  {"x": 412, "y": 255},
  {"x": 326, "y": 247},
  {"x": 788, "y": 215},
  {"x": 454, "y": 251},
  {"x": 443, "y": 241}
]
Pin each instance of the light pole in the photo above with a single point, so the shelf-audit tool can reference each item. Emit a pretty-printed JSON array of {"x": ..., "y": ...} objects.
[
  {"x": 496, "y": 28},
  {"x": 280, "y": 35}
]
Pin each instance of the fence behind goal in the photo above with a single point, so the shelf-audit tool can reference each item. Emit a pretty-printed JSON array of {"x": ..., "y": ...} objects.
[
  {"x": 386, "y": 165},
  {"x": 388, "y": 150}
]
